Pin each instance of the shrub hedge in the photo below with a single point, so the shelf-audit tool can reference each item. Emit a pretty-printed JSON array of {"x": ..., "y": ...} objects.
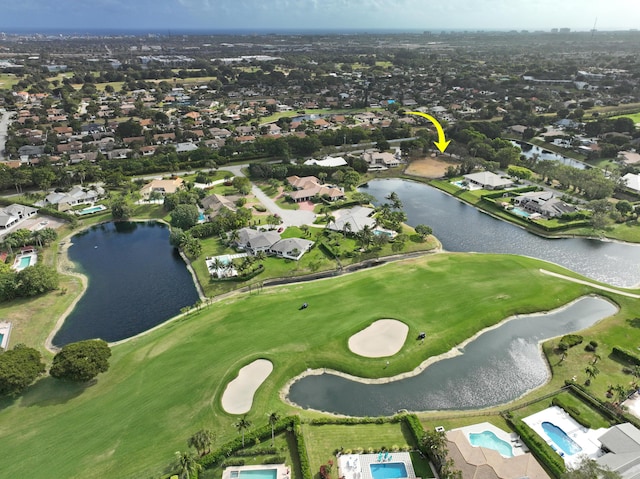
[
  {"x": 540, "y": 449},
  {"x": 625, "y": 355}
]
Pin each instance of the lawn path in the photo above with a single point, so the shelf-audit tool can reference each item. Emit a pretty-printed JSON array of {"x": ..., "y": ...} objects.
[{"x": 593, "y": 285}]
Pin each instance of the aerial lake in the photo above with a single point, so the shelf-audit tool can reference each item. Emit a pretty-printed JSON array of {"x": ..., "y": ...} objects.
[
  {"x": 136, "y": 281},
  {"x": 498, "y": 366},
  {"x": 463, "y": 228}
]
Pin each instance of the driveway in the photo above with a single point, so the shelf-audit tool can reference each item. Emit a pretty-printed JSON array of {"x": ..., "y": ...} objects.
[{"x": 289, "y": 217}]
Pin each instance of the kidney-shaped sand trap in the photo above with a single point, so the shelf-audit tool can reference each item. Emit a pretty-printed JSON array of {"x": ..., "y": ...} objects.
[
  {"x": 384, "y": 337},
  {"x": 238, "y": 395}
]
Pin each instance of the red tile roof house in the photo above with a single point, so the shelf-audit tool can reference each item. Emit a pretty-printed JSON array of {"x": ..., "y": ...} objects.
[{"x": 309, "y": 187}]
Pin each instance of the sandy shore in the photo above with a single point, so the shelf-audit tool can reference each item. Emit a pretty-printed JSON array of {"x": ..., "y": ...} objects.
[
  {"x": 381, "y": 339},
  {"x": 238, "y": 395}
]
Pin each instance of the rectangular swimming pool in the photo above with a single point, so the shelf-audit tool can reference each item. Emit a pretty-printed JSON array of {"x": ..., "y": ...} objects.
[
  {"x": 388, "y": 470},
  {"x": 259, "y": 474}
]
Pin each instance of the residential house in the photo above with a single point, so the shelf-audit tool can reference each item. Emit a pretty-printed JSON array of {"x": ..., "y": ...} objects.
[
  {"x": 328, "y": 161},
  {"x": 543, "y": 203},
  {"x": 77, "y": 195},
  {"x": 632, "y": 181},
  {"x": 13, "y": 214},
  {"x": 621, "y": 445},
  {"x": 352, "y": 219},
  {"x": 380, "y": 160},
  {"x": 309, "y": 187},
  {"x": 164, "y": 187},
  {"x": 269, "y": 242},
  {"x": 216, "y": 202},
  {"x": 291, "y": 248},
  {"x": 488, "y": 181},
  {"x": 485, "y": 463},
  {"x": 255, "y": 241}
]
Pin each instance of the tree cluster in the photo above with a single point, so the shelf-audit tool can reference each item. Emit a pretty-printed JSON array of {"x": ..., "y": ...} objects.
[{"x": 31, "y": 281}]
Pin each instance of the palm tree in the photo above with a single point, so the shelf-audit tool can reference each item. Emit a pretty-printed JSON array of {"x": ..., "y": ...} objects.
[
  {"x": 218, "y": 265},
  {"x": 621, "y": 393},
  {"x": 596, "y": 358},
  {"x": 329, "y": 219},
  {"x": 187, "y": 465},
  {"x": 365, "y": 236},
  {"x": 396, "y": 203},
  {"x": 201, "y": 441},
  {"x": 592, "y": 372},
  {"x": 273, "y": 419},
  {"x": 242, "y": 425},
  {"x": 346, "y": 228}
]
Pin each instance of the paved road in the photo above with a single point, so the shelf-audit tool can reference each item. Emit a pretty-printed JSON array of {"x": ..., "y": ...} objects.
[{"x": 5, "y": 117}]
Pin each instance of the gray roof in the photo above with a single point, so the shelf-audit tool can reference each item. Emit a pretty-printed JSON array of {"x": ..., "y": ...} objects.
[
  {"x": 257, "y": 239},
  {"x": 287, "y": 245},
  {"x": 623, "y": 442},
  {"x": 358, "y": 217}
]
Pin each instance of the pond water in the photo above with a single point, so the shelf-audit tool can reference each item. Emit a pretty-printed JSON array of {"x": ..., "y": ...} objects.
[
  {"x": 136, "y": 281},
  {"x": 463, "y": 228},
  {"x": 498, "y": 366},
  {"x": 529, "y": 149}
]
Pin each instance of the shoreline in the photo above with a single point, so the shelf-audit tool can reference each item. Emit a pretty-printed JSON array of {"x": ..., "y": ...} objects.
[
  {"x": 453, "y": 352},
  {"x": 67, "y": 267}
]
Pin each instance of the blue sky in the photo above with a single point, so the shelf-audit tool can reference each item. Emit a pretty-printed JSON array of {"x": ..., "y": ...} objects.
[{"x": 83, "y": 15}]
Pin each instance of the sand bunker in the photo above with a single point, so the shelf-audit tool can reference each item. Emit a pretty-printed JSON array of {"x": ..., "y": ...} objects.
[
  {"x": 238, "y": 395},
  {"x": 383, "y": 338}
]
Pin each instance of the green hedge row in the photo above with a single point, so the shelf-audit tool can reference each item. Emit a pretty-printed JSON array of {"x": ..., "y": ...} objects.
[
  {"x": 250, "y": 438},
  {"x": 243, "y": 278},
  {"x": 540, "y": 449},
  {"x": 417, "y": 431},
  {"x": 328, "y": 250},
  {"x": 625, "y": 355},
  {"x": 572, "y": 411},
  {"x": 356, "y": 420},
  {"x": 303, "y": 456},
  {"x": 605, "y": 409},
  {"x": 258, "y": 451}
]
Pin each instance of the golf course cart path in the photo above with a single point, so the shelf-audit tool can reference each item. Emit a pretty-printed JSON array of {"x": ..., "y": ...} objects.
[
  {"x": 238, "y": 395},
  {"x": 381, "y": 339},
  {"x": 593, "y": 285}
]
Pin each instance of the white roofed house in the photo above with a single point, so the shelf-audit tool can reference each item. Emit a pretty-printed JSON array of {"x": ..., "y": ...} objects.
[
  {"x": 77, "y": 195},
  {"x": 13, "y": 214},
  {"x": 377, "y": 159},
  {"x": 291, "y": 248},
  {"x": 621, "y": 445},
  {"x": 631, "y": 181},
  {"x": 488, "y": 181}
]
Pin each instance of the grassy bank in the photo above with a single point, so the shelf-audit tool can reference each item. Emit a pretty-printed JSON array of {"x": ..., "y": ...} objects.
[{"x": 166, "y": 385}]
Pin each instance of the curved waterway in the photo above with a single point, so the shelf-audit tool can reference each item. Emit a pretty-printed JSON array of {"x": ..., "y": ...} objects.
[
  {"x": 136, "y": 281},
  {"x": 500, "y": 365},
  {"x": 463, "y": 228}
]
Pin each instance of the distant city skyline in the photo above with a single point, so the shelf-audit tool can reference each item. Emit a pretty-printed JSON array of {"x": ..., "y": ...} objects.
[{"x": 300, "y": 15}]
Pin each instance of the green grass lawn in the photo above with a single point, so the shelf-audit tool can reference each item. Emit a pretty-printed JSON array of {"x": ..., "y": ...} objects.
[
  {"x": 7, "y": 81},
  {"x": 166, "y": 385},
  {"x": 323, "y": 441},
  {"x": 634, "y": 116}
]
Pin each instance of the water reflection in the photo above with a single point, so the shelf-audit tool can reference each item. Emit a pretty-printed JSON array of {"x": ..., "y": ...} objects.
[
  {"x": 463, "y": 228},
  {"x": 498, "y": 366}
]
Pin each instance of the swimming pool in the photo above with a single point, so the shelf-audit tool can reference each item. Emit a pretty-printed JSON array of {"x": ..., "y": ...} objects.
[
  {"x": 24, "y": 262},
  {"x": 560, "y": 438},
  {"x": 92, "y": 209},
  {"x": 388, "y": 470},
  {"x": 1, "y": 340},
  {"x": 520, "y": 212},
  {"x": 259, "y": 474},
  {"x": 489, "y": 440}
]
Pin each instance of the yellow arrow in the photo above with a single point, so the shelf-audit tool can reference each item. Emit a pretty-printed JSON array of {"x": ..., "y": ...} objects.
[{"x": 442, "y": 142}]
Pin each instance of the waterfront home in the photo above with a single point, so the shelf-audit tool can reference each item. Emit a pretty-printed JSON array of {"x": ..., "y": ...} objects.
[
  {"x": 544, "y": 203},
  {"x": 269, "y": 242},
  {"x": 164, "y": 187},
  {"x": 488, "y": 181},
  {"x": 77, "y": 195},
  {"x": 216, "y": 202},
  {"x": 377, "y": 159},
  {"x": 353, "y": 219}
]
